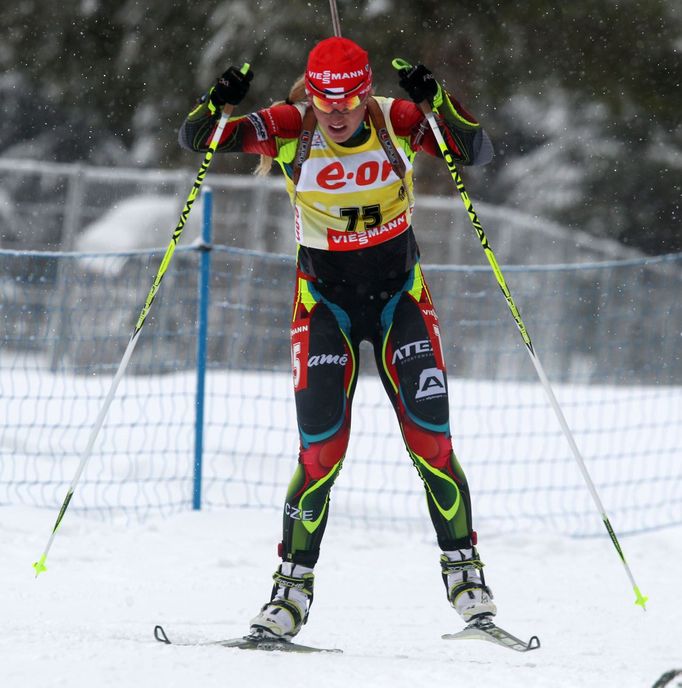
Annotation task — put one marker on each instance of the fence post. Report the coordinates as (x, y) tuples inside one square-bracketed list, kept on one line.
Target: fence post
[(202, 336), (58, 318)]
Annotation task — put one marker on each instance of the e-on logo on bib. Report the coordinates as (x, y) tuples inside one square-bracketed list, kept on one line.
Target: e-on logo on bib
[(431, 383), (335, 176)]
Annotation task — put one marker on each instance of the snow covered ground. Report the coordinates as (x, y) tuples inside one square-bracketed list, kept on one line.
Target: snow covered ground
[(88, 620)]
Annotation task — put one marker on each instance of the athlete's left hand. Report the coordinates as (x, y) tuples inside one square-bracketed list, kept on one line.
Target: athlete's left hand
[(419, 83)]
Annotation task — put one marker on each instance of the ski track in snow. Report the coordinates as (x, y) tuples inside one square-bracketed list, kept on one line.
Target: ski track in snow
[(89, 619)]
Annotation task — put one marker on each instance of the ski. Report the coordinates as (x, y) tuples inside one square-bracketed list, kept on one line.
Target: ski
[(248, 642), (484, 629)]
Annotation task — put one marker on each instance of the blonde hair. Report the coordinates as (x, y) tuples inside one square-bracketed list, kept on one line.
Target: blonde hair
[(297, 94)]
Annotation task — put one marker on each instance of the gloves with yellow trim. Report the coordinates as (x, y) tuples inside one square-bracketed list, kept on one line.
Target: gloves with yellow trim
[(230, 88), (421, 85)]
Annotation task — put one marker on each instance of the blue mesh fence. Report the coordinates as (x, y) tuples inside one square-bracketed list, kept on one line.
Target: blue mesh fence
[(608, 334)]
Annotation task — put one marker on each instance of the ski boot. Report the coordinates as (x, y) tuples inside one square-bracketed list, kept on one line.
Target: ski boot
[(465, 584), (287, 611)]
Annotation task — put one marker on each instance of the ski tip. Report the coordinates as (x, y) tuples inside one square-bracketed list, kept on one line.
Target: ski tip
[(484, 629), (160, 635)]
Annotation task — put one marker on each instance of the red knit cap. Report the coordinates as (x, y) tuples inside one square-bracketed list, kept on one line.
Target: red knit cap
[(338, 68)]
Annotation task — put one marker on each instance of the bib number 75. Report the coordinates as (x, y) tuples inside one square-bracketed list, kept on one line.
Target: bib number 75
[(369, 214)]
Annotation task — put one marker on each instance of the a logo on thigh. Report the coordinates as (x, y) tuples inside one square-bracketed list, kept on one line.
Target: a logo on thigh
[(431, 383), (300, 333)]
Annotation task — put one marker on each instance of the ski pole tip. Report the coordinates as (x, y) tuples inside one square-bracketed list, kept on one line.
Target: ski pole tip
[(39, 566), (641, 599)]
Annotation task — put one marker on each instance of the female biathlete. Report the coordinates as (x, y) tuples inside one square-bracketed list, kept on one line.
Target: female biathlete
[(347, 161)]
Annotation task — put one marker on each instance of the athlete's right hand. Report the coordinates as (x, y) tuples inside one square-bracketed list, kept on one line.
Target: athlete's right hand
[(230, 88)]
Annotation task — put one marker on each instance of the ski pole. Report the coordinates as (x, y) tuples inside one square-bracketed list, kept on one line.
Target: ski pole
[(336, 22), (39, 565), (449, 161)]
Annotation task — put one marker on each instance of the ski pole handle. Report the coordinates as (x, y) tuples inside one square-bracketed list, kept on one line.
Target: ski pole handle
[(400, 64), (227, 108)]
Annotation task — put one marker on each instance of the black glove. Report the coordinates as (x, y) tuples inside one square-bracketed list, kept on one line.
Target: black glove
[(230, 88), (419, 83)]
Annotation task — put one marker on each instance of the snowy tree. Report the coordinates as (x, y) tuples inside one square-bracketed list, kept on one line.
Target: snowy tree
[(582, 99)]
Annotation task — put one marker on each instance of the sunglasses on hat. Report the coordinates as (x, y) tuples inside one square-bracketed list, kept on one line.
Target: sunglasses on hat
[(340, 105)]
